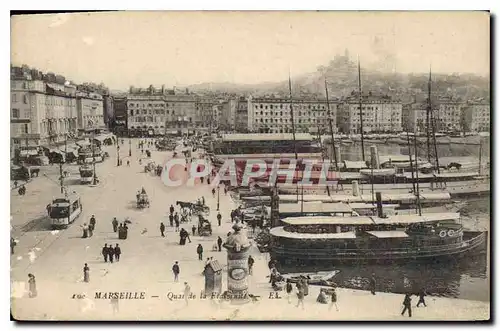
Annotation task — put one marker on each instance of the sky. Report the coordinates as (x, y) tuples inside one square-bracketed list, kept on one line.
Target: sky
[(122, 49)]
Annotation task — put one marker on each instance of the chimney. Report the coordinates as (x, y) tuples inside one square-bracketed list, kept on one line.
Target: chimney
[(375, 161), (355, 188), (337, 154), (380, 211)]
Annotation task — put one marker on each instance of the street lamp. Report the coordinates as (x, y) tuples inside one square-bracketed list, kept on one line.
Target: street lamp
[(93, 158), (218, 196), (117, 155)]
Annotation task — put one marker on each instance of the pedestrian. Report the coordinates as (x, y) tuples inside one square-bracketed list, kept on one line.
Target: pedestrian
[(86, 273), (172, 209), (199, 250), (421, 297), (233, 214), (92, 220), (213, 192), (91, 229), (334, 300), (105, 252), (201, 179), (128, 163), (219, 218), (176, 270), (288, 289), (219, 243), (111, 253), (32, 286), (300, 296), (407, 305), (202, 200), (171, 219), (115, 224), (187, 292), (251, 262), (373, 284), (225, 190), (16, 183), (118, 252), (193, 229), (48, 209), (162, 229), (177, 223), (85, 229), (12, 245)]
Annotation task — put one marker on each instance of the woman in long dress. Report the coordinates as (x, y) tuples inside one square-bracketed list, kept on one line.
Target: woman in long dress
[(86, 273), (32, 286)]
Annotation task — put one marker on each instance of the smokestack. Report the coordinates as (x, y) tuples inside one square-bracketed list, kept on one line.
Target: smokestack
[(337, 154), (355, 188), (380, 211), (375, 161)]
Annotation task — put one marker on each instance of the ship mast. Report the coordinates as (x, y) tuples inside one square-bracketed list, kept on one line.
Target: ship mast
[(411, 167), (330, 124), (419, 208), (480, 154), (293, 131), (433, 125), (428, 115), (361, 112)]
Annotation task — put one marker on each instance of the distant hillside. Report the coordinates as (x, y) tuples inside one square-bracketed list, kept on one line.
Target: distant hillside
[(342, 77)]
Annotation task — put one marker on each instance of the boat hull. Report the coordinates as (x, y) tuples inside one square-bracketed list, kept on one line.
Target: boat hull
[(474, 242)]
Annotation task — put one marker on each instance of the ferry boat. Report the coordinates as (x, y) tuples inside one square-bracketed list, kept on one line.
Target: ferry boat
[(373, 239)]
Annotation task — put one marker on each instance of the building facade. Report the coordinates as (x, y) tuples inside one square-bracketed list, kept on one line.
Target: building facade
[(120, 115), (476, 117), (155, 112), (273, 115), (414, 117), (380, 114), (241, 115), (90, 111), (41, 113)]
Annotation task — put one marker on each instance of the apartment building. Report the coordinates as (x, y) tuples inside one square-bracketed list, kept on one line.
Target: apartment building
[(476, 117), (273, 115), (380, 114)]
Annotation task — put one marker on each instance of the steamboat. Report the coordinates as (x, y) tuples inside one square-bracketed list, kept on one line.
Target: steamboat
[(373, 239)]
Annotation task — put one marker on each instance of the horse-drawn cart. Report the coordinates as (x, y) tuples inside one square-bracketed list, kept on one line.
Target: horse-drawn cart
[(142, 201)]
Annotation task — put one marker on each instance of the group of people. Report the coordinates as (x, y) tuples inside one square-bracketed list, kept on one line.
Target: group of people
[(88, 230), (110, 252)]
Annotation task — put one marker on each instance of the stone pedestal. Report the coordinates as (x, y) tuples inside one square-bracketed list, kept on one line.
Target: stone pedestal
[(237, 246)]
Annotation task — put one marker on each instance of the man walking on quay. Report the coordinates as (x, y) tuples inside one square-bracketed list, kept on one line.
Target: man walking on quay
[(115, 224), (91, 229), (176, 270), (219, 218), (251, 261), (199, 250), (171, 219), (177, 223), (162, 229), (407, 305), (213, 192), (86, 273), (172, 209), (219, 243), (421, 297), (111, 253), (187, 292), (118, 252), (105, 252), (373, 283), (194, 230), (12, 245)]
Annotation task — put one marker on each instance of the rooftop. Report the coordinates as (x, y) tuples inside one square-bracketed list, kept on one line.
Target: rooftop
[(265, 136)]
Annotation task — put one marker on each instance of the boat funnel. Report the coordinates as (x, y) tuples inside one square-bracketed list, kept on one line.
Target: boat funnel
[(355, 188), (375, 161), (337, 154), (380, 211)]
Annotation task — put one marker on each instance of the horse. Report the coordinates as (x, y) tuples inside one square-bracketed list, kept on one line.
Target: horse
[(184, 204), (454, 165)]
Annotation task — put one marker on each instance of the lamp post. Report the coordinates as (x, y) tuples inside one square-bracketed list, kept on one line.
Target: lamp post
[(218, 196), (129, 146), (117, 155), (93, 158)]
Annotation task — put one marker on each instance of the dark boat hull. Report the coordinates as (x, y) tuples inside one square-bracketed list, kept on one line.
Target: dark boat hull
[(473, 242)]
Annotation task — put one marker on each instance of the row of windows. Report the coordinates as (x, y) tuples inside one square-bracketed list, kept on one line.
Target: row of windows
[(270, 120), (287, 106)]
